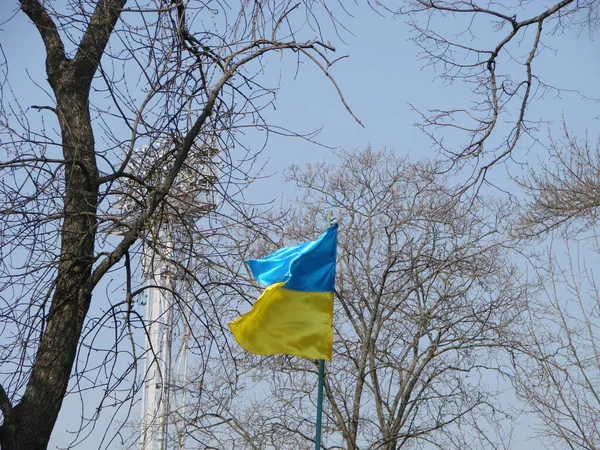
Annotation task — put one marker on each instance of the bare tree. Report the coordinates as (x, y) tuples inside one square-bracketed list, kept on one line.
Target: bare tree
[(563, 191), (427, 305), (493, 49), (176, 76), (559, 379), (490, 48)]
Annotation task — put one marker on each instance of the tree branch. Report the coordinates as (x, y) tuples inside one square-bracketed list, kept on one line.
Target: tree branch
[(5, 405), (231, 68), (96, 37), (55, 49)]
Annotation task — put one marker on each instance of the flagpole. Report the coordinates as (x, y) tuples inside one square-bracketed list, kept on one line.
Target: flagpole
[(321, 376), (320, 403)]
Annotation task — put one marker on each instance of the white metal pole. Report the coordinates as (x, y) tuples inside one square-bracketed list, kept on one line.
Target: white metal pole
[(160, 371), (152, 357)]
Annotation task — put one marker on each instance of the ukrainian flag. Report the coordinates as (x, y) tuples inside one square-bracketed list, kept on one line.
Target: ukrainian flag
[(294, 314)]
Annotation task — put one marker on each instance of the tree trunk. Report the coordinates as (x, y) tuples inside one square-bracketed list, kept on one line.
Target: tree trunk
[(30, 424)]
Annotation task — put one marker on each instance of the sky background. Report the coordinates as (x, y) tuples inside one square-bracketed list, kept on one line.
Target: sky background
[(384, 75), (380, 79)]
